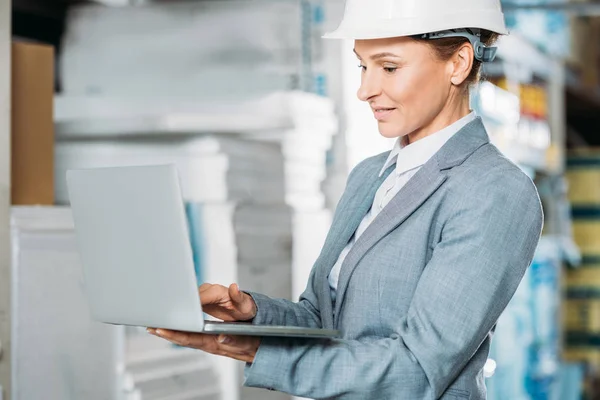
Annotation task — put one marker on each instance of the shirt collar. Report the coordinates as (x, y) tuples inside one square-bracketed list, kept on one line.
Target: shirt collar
[(408, 157)]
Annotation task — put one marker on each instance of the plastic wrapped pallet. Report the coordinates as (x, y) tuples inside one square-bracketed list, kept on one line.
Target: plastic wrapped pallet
[(58, 352), (247, 244), (309, 231), (207, 173), (68, 356), (186, 49), (157, 370)]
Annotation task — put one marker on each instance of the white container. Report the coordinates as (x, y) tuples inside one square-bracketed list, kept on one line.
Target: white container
[(58, 352)]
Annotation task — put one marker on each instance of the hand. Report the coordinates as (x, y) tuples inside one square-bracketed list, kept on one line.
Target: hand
[(227, 304), (242, 348)]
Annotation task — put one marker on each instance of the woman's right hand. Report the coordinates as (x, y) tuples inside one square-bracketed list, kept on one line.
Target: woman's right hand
[(227, 304)]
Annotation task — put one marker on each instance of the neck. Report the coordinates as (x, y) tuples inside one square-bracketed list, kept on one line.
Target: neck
[(449, 115)]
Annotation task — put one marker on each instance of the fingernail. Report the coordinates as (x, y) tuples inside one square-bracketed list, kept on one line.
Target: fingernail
[(159, 332), (225, 340)]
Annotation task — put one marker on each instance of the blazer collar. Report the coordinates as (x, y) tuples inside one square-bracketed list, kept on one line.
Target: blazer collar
[(462, 145)]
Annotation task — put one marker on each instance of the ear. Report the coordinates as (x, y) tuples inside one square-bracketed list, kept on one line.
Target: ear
[(462, 64)]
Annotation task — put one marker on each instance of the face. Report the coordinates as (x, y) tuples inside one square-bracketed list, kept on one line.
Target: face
[(405, 84)]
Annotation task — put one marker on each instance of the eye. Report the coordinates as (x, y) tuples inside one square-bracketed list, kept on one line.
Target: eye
[(363, 67), (390, 70)]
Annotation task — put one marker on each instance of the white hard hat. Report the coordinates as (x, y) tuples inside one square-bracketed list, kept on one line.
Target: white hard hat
[(377, 19)]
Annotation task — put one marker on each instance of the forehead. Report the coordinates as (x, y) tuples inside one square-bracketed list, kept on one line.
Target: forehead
[(402, 47)]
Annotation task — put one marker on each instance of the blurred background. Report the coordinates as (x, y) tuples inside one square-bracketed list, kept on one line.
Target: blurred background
[(261, 118)]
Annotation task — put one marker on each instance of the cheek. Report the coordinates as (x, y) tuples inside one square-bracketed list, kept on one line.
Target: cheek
[(410, 94), (415, 94), (417, 89)]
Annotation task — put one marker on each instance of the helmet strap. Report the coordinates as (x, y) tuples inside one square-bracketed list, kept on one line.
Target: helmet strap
[(482, 52)]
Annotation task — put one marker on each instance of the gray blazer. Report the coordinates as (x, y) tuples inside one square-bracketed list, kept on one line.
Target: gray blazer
[(420, 292)]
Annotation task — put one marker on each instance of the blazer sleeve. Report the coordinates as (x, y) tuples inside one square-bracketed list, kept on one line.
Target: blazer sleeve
[(303, 313), (487, 243)]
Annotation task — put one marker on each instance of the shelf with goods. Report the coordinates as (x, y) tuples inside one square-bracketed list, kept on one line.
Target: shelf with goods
[(582, 75), (582, 286), (581, 281), (583, 111), (522, 105)]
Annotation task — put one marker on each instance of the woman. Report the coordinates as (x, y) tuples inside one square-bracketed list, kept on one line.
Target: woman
[(429, 241)]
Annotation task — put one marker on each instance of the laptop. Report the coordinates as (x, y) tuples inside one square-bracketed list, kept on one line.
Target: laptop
[(132, 236)]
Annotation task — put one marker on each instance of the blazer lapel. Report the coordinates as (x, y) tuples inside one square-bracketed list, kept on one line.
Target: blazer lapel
[(352, 208), (416, 191)]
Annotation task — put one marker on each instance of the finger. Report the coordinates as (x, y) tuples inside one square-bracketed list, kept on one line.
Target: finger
[(177, 337), (238, 344), (194, 340), (204, 287), (212, 295)]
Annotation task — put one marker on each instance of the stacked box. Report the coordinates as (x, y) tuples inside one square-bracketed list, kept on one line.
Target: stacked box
[(582, 284)]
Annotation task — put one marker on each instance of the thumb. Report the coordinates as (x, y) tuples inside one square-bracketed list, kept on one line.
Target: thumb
[(236, 296)]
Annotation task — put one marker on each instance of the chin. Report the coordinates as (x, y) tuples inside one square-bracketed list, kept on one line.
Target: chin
[(390, 131)]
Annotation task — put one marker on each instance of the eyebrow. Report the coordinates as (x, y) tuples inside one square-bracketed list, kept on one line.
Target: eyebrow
[(378, 55)]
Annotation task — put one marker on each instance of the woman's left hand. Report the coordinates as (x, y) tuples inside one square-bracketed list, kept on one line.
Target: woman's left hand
[(242, 348)]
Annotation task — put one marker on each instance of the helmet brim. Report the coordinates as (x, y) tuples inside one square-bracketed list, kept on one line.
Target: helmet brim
[(363, 30)]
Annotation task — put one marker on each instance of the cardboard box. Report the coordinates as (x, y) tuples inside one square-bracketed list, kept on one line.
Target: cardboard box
[(32, 139), (584, 57)]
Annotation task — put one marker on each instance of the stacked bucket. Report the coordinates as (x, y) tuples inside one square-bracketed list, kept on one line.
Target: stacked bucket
[(582, 292)]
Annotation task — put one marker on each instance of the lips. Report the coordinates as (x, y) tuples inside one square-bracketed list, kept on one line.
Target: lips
[(381, 113)]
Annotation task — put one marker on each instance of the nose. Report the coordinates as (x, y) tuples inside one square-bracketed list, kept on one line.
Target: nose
[(369, 86)]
